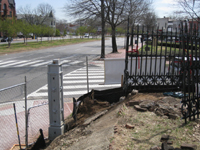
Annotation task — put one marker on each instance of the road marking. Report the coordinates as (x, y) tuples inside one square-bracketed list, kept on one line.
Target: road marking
[(6, 62), (12, 64), (91, 77), (71, 87), (33, 62), (84, 74), (40, 64), (75, 62), (83, 81)]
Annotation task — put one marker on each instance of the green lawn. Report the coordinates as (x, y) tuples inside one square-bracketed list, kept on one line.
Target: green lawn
[(19, 47)]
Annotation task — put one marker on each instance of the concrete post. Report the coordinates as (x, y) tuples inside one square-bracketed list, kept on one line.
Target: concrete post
[(55, 98)]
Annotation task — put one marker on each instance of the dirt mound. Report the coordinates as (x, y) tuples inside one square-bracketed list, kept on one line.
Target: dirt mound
[(101, 125)]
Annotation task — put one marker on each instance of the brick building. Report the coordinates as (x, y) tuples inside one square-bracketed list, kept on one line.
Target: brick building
[(7, 9)]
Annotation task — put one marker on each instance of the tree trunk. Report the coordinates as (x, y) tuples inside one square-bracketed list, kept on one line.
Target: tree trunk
[(9, 44), (114, 44), (102, 30)]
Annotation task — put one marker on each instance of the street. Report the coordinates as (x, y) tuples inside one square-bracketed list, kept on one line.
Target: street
[(33, 64)]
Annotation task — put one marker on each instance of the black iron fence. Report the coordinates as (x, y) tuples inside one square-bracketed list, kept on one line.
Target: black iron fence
[(162, 61)]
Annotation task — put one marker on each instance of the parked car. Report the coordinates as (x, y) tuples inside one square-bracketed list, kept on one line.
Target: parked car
[(176, 65), (149, 39), (6, 39), (86, 35)]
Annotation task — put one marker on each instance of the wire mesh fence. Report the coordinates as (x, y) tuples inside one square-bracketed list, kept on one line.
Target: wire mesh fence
[(8, 96)]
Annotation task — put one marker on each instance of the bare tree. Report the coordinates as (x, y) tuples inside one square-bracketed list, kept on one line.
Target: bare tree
[(116, 12), (26, 13), (36, 16), (61, 25), (149, 19), (189, 7), (43, 12), (85, 9)]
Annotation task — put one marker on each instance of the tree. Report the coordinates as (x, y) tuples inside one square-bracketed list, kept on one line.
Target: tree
[(120, 30), (149, 19), (37, 16), (189, 7), (36, 30), (8, 27), (82, 30), (61, 25), (51, 32), (115, 10), (87, 9), (57, 32), (25, 28), (136, 10)]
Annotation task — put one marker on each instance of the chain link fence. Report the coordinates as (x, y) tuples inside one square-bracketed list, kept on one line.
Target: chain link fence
[(8, 96)]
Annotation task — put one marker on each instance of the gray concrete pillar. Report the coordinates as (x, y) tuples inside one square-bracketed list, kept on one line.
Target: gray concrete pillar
[(55, 98)]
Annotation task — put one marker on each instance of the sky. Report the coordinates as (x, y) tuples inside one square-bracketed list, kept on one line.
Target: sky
[(161, 7)]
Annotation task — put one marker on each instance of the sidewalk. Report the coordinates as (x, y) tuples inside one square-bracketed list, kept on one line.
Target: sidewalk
[(121, 52)]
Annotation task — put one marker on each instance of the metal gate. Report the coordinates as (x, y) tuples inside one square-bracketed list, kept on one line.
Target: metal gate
[(162, 61)]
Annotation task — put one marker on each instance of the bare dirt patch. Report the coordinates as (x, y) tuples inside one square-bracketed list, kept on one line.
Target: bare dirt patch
[(122, 127)]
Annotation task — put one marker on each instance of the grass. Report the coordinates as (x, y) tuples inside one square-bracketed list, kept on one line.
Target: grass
[(19, 47)]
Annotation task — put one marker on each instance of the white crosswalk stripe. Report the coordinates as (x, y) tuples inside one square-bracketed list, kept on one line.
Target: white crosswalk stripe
[(30, 63), (33, 63), (75, 83), (6, 62), (15, 63)]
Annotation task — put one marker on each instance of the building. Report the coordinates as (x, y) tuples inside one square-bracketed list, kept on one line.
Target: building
[(168, 25), (7, 10)]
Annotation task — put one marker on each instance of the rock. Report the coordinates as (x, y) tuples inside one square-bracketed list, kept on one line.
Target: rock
[(173, 116), (158, 112), (133, 102), (165, 117), (188, 146), (134, 92), (164, 146), (129, 126), (178, 105), (155, 148), (164, 138), (170, 100), (169, 142), (138, 108), (150, 105), (122, 98), (170, 147)]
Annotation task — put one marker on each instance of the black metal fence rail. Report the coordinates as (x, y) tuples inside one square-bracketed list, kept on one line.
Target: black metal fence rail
[(190, 73), (160, 61)]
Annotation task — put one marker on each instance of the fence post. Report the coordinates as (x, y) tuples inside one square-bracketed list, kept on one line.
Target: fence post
[(26, 114), (87, 74), (55, 98)]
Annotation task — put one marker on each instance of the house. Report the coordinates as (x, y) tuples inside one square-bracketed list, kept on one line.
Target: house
[(168, 25), (7, 10)]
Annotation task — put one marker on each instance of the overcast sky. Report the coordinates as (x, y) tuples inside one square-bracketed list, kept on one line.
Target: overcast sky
[(161, 7)]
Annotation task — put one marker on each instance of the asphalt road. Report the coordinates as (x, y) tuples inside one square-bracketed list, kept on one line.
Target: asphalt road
[(33, 64)]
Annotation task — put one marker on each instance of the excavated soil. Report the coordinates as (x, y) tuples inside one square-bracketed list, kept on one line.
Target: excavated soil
[(103, 126)]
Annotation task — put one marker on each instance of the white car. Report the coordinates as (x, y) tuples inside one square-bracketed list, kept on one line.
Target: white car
[(86, 35)]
